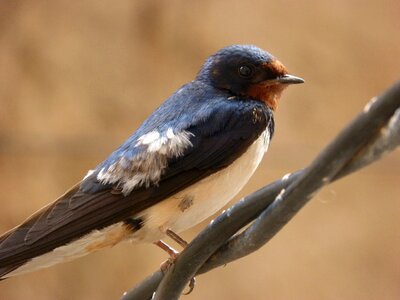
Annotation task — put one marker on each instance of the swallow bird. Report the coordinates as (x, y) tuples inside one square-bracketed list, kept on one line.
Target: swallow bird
[(191, 156)]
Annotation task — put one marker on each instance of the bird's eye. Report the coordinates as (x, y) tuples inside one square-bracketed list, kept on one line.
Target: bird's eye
[(245, 71)]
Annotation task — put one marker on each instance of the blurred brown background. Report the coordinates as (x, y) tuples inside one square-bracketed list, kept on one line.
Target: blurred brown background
[(76, 78)]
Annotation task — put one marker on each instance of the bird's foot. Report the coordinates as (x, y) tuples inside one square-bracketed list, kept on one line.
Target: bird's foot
[(173, 254), (192, 284)]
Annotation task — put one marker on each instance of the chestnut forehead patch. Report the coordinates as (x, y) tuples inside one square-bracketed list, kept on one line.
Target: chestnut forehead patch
[(275, 67)]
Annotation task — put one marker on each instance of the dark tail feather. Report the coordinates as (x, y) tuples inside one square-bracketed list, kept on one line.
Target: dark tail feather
[(13, 250), (7, 269)]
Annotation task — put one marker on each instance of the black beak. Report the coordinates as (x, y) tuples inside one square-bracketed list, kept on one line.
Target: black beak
[(289, 79)]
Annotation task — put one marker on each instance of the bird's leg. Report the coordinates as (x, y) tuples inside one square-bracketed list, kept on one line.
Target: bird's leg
[(173, 255), (177, 238), (184, 244)]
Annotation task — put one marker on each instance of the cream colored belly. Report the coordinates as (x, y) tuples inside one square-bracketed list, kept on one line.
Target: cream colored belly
[(199, 201)]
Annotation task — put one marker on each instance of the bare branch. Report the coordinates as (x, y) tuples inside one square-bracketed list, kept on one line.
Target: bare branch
[(373, 133)]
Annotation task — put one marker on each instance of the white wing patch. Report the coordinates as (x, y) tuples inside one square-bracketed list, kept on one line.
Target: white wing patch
[(148, 138), (90, 172), (147, 167)]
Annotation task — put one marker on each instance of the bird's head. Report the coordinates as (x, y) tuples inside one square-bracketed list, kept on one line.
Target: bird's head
[(248, 71)]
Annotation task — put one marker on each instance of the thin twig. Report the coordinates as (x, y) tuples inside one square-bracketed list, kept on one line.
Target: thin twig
[(373, 133)]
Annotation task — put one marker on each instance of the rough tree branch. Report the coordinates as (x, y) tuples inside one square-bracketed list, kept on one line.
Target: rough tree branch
[(373, 133)]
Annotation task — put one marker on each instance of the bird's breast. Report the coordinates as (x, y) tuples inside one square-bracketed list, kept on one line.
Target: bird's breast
[(202, 199)]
